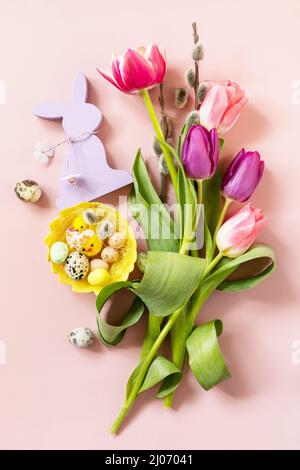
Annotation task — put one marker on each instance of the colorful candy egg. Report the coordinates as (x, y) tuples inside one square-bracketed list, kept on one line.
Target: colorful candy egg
[(79, 224), (98, 277), (59, 252), (81, 337), (109, 254), (72, 236), (98, 263), (76, 266), (105, 229), (117, 240)]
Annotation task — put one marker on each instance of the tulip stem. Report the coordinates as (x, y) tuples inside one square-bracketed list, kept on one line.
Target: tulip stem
[(143, 370), (168, 401), (161, 137), (227, 203)]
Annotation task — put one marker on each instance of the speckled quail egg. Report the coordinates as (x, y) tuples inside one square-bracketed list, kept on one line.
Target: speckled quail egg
[(105, 229), (109, 254), (81, 337), (28, 191), (117, 240), (76, 266)]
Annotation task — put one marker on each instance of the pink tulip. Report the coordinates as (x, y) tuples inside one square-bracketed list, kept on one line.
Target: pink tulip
[(222, 105), (137, 69), (238, 233)]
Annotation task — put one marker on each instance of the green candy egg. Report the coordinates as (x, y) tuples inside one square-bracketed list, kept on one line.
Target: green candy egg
[(59, 252)]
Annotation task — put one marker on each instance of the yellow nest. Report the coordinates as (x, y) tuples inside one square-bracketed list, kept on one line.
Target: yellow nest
[(119, 271)]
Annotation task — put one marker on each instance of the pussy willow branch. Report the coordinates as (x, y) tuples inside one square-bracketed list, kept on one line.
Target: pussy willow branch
[(196, 66), (164, 119), (161, 138)]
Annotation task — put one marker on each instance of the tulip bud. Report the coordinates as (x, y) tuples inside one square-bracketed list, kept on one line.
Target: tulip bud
[(242, 176), (200, 152), (201, 92), (156, 147), (141, 261), (190, 77), (238, 233), (162, 166), (198, 52), (193, 119), (181, 97), (137, 69), (222, 105)]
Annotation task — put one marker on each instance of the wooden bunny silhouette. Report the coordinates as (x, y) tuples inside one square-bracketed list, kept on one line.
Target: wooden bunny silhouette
[(85, 162)]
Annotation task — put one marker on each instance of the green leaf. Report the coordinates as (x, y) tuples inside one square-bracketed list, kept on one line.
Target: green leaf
[(260, 251), (111, 334), (208, 241), (226, 267), (159, 369), (212, 200), (153, 330), (183, 133), (188, 205), (150, 212), (205, 356), (163, 291), (169, 281), (178, 335)]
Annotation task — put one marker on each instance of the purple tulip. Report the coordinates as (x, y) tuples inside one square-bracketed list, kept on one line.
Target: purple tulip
[(200, 152), (242, 176)]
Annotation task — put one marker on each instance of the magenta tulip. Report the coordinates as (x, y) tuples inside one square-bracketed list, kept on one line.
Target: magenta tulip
[(137, 69), (222, 105), (238, 233), (242, 176), (200, 151)]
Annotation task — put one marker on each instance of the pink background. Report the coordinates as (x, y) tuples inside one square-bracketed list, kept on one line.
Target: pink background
[(55, 396)]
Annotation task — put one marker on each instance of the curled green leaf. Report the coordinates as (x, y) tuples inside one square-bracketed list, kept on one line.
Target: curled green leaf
[(159, 369), (205, 356), (111, 334)]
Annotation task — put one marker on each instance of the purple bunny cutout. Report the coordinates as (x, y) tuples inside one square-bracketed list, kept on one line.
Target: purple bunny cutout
[(85, 162)]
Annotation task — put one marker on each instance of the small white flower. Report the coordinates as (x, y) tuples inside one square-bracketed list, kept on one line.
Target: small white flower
[(43, 152)]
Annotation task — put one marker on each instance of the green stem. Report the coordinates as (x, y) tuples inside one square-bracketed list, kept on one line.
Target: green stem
[(168, 401), (211, 265), (220, 222), (161, 137), (143, 370)]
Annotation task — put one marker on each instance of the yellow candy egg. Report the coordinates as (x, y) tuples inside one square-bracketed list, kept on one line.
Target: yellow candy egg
[(98, 277), (117, 240), (79, 224), (98, 263), (92, 246)]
